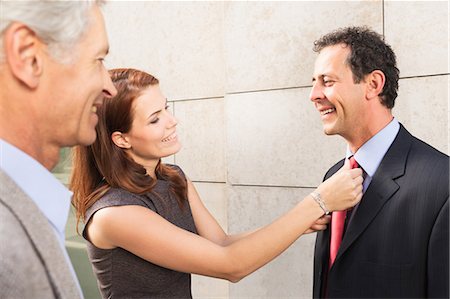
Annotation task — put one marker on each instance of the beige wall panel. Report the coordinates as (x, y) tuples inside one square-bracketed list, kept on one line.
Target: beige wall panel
[(201, 129), (215, 200), (206, 287), (276, 138), (179, 42), (169, 160), (419, 35), (269, 44), (214, 197), (422, 106), (289, 275)]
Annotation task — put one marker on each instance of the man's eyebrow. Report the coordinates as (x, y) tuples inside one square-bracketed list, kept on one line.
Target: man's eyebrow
[(319, 77)]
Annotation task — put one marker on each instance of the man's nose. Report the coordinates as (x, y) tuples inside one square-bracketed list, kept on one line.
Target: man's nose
[(316, 93)]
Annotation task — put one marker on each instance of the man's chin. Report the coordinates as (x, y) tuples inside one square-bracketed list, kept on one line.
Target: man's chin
[(88, 139), (329, 131)]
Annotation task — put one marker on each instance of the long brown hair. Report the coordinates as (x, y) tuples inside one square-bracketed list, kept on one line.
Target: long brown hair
[(103, 165)]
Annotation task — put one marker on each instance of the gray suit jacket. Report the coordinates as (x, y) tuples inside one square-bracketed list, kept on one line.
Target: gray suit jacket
[(32, 264)]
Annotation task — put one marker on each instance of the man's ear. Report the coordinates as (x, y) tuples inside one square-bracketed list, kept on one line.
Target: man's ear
[(23, 54), (375, 83), (120, 140)]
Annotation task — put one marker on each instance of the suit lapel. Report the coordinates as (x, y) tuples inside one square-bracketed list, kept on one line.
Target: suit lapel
[(41, 235), (381, 189)]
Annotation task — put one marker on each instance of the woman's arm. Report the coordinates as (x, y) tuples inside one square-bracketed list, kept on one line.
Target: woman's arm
[(149, 236), (208, 227), (205, 223)]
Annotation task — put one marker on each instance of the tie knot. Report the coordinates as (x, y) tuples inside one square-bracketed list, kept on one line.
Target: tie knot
[(353, 163)]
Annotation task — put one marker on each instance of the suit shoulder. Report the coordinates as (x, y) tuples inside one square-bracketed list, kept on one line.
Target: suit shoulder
[(424, 151), (333, 169), (430, 165)]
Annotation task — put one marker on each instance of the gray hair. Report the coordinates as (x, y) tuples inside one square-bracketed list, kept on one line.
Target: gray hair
[(59, 24)]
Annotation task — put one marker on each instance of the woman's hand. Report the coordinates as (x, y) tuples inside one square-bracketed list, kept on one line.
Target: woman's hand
[(320, 224), (343, 190)]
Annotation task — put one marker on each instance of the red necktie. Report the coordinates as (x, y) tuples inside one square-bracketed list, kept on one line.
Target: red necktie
[(337, 225)]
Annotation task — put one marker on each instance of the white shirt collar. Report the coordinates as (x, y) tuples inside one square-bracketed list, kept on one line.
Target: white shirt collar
[(49, 194), (370, 154)]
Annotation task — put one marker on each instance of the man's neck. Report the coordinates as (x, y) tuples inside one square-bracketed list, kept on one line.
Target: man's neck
[(366, 133), (45, 154)]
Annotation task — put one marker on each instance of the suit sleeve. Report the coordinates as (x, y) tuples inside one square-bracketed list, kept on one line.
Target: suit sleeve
[(22, 273), (438, 256)]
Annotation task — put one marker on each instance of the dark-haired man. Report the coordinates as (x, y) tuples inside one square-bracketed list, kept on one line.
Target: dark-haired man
[(395, 243)]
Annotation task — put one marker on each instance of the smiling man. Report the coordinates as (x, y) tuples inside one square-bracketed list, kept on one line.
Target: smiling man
[(395, 242), (52, 80)]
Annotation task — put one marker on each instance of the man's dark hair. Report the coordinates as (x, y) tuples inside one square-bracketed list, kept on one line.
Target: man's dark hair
[(368, 52)]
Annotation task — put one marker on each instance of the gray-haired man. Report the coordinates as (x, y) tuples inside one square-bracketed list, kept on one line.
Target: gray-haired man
[(52, 80)]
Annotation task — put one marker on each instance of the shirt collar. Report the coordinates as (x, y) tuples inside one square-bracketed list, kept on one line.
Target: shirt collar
[(49, 194), (370, 154)]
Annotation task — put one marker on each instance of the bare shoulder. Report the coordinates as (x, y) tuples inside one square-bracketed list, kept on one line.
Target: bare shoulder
[(109, 226)]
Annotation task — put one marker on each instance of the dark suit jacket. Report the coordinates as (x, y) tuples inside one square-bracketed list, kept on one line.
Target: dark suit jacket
[(397, 243)]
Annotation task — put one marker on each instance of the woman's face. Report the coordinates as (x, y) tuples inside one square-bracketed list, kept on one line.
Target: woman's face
[(153, 132)]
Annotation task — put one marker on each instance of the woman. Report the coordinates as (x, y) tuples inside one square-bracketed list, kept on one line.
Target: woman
[(147, 227)]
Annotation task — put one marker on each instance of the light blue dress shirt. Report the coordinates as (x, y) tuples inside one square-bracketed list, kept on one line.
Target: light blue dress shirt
[(370, 154), (49, 194)]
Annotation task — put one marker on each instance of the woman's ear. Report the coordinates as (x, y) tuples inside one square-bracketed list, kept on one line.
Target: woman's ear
[(23, 51), (120, 140), (375, 83)]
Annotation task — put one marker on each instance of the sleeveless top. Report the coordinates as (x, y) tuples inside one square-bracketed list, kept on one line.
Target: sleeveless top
[(120, 273)]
